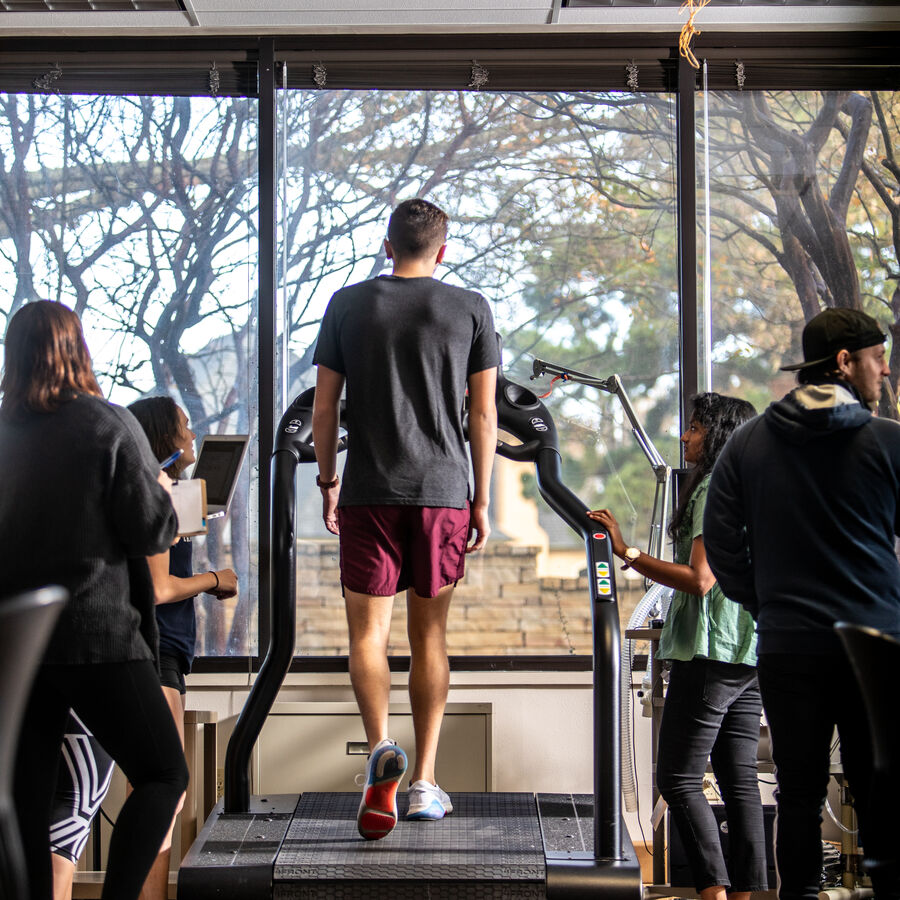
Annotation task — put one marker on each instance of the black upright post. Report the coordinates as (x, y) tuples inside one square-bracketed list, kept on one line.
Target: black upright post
[(283, 616), (605, 618), (607, 747), (687, 232), (267, 277), (237, 757)]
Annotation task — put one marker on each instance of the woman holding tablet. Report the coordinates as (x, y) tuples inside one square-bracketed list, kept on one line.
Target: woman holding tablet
[(166, 426)]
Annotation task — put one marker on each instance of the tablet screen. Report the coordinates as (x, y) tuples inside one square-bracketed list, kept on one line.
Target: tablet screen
[(219, 463)]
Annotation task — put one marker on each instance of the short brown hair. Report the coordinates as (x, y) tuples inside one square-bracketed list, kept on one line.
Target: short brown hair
[(47, 362), (417, 229)]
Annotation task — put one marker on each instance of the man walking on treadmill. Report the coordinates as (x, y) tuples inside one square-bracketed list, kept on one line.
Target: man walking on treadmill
[(801, 515), (408, 347)]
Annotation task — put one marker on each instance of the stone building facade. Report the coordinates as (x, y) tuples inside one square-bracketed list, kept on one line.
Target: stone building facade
[(502, 607)]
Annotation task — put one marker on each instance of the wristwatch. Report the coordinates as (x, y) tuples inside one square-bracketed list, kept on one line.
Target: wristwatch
[(631, 554), (327, 485)]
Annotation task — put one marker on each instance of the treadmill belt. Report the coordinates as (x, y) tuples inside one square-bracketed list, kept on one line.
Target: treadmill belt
[(489, 847)]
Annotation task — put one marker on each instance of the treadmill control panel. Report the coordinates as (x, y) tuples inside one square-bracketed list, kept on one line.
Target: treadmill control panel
[(601, 567)]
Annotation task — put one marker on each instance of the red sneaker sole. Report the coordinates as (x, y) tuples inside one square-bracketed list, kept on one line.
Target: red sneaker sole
[(375, 825), (377, 818)]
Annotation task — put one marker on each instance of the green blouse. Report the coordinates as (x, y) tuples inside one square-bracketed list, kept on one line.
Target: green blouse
[(711, 626)]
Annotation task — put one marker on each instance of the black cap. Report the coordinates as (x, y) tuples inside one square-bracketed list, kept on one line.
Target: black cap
[(834, 330)]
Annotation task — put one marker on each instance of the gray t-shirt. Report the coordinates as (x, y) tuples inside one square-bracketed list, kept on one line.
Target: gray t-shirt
[(406, 347)]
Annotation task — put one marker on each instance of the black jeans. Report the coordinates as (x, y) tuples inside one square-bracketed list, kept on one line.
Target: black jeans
[(124, 707), (712, 712), (806, 696)]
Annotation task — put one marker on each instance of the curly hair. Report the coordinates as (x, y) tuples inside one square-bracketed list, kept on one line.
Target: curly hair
[(719, 415)]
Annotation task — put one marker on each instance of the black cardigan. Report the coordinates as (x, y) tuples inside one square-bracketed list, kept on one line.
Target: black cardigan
[(79, 499)]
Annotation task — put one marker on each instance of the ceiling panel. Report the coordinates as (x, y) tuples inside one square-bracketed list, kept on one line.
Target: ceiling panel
[(86, 6), (148, 17)]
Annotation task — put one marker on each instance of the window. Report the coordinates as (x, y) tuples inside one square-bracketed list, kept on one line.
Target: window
[(562, 209), (803, 214), (139, 213)]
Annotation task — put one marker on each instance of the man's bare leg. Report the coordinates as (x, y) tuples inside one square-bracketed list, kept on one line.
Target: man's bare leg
[(429, 674), (369, 624)]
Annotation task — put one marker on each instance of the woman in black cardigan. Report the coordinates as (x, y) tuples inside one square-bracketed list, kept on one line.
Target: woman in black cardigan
[(83, 504)]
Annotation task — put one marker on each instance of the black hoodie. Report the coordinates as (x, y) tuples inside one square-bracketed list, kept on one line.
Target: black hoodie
[(801, 517)]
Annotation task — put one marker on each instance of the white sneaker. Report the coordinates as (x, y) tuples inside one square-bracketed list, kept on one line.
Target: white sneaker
[(427, 801)]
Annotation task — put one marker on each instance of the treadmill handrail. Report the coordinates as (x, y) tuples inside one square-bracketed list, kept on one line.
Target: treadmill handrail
[(661, 469), (292, 447), (280, 652), (605, 642), (612, 385)]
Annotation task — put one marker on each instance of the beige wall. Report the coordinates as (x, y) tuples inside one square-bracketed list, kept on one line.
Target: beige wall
[(540, 723)]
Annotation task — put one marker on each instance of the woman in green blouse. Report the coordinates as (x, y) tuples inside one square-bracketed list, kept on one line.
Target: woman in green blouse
[(713, 704)]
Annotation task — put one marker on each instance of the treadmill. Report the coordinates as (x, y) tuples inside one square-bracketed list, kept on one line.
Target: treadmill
[(494, 845)]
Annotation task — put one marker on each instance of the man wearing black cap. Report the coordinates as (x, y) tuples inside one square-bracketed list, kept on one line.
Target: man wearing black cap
[(801, 518)]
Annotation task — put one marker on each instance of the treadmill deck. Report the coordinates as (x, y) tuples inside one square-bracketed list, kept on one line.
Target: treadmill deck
[(493, 845), (490, 846)]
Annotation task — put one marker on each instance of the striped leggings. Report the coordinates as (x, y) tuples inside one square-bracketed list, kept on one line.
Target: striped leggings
[(85, 770)]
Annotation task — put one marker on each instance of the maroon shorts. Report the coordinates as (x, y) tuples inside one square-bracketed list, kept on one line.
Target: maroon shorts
[(387, 549)]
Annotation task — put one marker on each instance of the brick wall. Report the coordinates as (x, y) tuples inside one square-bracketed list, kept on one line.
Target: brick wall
[(501, 607)]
